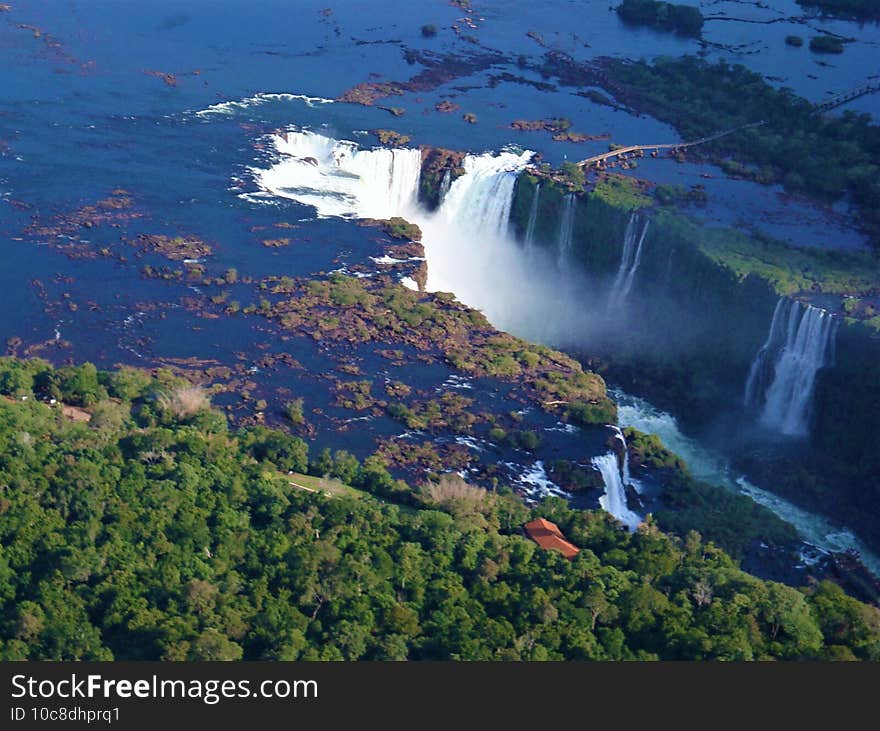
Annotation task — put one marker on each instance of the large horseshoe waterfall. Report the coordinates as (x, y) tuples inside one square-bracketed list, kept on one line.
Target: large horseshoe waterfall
[(467, 239)]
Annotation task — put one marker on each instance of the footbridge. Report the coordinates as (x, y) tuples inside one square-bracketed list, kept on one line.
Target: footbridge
[(623, 153), (868, 87)]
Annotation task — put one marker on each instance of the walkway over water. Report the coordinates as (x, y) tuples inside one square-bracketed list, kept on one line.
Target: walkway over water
[(624, 152), (869, 87)]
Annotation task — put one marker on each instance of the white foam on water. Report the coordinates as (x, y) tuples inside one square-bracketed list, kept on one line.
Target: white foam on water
[(534, 478), (233, 106)]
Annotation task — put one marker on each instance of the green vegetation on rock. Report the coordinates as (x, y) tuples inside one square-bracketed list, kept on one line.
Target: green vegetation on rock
[(400, 228), (787, 269), (826, 44), (735, 522), (621, 191), (343, 308), (685, 20)]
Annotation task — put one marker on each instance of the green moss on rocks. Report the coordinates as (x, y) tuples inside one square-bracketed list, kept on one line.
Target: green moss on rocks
[(437, 163), (622, 191)]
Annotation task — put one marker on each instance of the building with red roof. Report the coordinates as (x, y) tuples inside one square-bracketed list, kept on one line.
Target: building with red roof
[(548, 535)]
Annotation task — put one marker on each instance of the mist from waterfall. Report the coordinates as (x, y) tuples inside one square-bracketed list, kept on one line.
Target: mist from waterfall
[(782, 376), (630, 258)]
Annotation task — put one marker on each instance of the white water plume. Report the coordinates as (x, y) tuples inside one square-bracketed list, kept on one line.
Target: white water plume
[(338, 179), (230, 107)]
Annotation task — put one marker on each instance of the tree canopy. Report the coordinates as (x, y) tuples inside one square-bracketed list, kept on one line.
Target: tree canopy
[(161, 534)]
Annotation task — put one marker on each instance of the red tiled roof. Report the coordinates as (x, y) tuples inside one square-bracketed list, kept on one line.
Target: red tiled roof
[(548, 535)]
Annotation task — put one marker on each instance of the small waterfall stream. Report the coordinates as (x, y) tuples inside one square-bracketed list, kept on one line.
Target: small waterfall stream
[(782, 376), (445, 185), (533, 218), (615, 479), (566, 230), (630, 258)]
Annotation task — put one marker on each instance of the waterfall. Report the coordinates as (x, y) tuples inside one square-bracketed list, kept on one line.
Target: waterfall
[(783, 373), (630, 258), (479, 201), (445, 185), (566, 229), (338, 179), (714, 469), (627, 478), (761, 370), (533, 218), (614, 499), (467, 239)]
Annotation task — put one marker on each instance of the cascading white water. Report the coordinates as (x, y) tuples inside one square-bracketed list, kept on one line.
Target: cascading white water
[(445, 185), (338, 179), (479, 201), (566, 229), (783, 373), (630, 258), (761, 370), (468, 243), (533, 218), (627, 477), (713, 469), (614, 499)]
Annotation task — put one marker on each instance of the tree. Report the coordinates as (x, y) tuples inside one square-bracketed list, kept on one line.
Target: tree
[(294, 412), (789, 621), (345, 466), (212, 645)]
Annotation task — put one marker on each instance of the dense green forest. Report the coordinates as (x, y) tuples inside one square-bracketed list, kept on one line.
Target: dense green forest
[(685, 20), (134, 524), (822, 156)]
